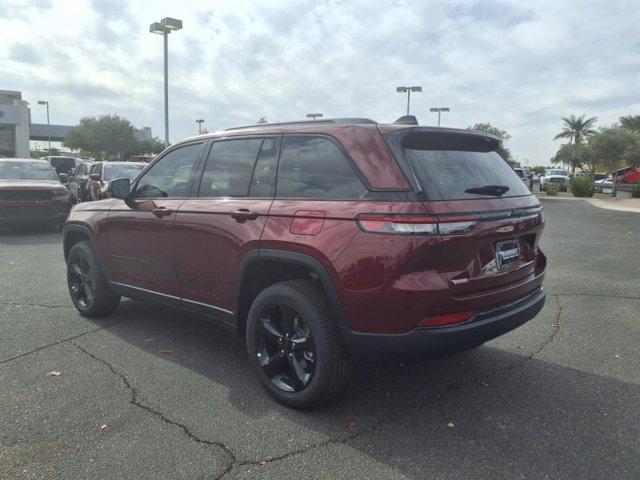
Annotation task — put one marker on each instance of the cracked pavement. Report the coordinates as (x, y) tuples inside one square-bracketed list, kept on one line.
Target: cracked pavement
[(150, 393)]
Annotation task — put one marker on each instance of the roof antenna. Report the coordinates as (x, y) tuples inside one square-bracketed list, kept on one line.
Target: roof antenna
[(406, 120)]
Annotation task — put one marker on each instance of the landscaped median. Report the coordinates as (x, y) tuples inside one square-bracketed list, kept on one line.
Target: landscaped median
[(601, 201)]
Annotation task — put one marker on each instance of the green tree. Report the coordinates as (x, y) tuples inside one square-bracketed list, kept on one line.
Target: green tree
[(612, 147), (577, 129), (107, 136), (155, 145), (632, 122), (503, 135), (571, 154), (539, 169)]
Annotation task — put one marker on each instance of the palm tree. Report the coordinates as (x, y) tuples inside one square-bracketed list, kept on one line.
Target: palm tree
[(576, 129), (632, 122)]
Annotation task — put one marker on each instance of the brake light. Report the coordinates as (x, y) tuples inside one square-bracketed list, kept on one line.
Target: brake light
[(415, 224), (450, 319)]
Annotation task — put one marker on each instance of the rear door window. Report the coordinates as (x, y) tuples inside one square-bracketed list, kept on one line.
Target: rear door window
[(229, 168), (447, 169), (314, 167), (263, 181)]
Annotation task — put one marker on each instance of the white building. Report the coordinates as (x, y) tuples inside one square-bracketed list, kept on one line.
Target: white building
[(14, 125)]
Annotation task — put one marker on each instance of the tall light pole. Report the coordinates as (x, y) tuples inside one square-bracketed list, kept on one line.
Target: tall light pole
[(42, 102), (439, 110), (408, 91), (164, 28), (314, 115), (200, 121)]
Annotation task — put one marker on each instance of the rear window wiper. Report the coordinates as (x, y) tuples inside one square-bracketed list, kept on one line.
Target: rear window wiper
[(495, 190)]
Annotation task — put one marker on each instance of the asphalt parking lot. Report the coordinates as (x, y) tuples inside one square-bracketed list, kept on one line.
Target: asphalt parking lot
[(148, 393)]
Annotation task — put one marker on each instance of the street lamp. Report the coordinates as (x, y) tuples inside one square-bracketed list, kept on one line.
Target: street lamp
[(164, 28), (314, 115), (439, 110), (42, 102), (200, 121), (408, 91)]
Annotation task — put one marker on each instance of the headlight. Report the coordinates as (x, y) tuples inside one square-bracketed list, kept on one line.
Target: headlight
[(59, 192)]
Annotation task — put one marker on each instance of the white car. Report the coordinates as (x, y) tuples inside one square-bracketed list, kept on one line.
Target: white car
[(556, 176)]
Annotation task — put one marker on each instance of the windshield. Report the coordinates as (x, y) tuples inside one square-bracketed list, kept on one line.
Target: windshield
[(448, 174), (122, 170), (26, 170), (558, 172)]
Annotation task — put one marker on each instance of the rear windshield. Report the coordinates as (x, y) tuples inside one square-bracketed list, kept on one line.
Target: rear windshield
[(122, 170), (448, 174), (26, 171), (66, 163)]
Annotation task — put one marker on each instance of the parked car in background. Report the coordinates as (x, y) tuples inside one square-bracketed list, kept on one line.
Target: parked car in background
[(525, 177), (101, 173), (556, 176), (30, 191), (320, 242), (62, 164), (78, 181)]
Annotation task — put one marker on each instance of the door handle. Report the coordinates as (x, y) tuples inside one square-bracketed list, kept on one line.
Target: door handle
[(243, 214), (162, 212)]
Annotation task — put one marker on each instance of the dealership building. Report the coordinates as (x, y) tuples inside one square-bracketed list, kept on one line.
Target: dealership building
[(17, 131)]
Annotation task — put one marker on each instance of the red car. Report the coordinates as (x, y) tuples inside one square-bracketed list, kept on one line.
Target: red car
[(30, 191), (321, 242)]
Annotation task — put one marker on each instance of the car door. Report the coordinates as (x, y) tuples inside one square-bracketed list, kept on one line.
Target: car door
[(140, 228), (224, 220)]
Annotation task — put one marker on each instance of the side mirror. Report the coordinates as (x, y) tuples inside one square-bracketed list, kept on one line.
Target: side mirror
[(95, 176), (64, 178), (120, 187)]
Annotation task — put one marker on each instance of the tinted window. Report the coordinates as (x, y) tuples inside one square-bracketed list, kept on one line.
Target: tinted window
[(264, 174), (447, 174), (26, 170), (167, 178), (312, 167), (81, 169), (229, 168), (96, 168), (122, 170), (64, 163)]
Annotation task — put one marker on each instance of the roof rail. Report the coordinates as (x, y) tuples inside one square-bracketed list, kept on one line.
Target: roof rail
[(353, 121)]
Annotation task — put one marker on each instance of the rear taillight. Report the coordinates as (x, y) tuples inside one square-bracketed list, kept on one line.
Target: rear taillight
[(450, 319), (415, 224)]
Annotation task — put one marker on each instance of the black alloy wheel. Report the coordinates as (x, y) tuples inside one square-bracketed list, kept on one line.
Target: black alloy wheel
[(285, 347), (81, 281), (88, 288)]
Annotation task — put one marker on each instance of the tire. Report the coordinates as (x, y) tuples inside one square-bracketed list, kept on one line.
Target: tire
[(331, 364), (85, 276)]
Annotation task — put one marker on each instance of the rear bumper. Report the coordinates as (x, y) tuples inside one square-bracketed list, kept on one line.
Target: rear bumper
[(426, 343)]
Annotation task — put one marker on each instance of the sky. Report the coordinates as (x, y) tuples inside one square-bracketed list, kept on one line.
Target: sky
[(519, 65)]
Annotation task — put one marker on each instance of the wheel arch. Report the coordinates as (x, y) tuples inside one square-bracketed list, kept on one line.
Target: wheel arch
[(74, 233), (256, 272)]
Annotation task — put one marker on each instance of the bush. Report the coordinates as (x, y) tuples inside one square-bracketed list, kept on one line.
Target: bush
[(635, 190), (551, 189), (582, 186)]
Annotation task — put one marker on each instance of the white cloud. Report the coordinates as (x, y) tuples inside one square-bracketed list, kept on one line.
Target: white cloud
[(518, 65)]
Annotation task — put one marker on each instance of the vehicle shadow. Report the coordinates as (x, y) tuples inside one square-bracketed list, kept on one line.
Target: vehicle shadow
[(487, 413), (30, 234)]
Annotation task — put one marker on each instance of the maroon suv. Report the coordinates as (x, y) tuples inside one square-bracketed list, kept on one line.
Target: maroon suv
[(31, 192), (321, 242)]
